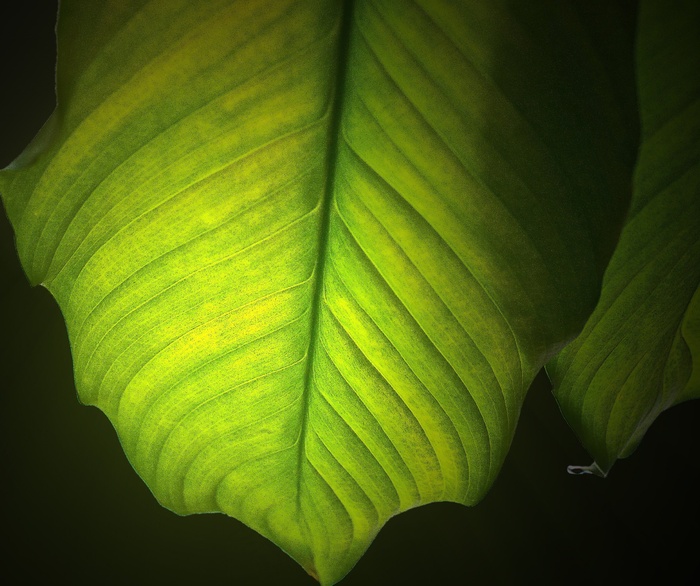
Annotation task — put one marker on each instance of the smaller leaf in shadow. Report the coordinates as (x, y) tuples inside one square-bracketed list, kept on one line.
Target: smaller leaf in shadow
[(634, 358)]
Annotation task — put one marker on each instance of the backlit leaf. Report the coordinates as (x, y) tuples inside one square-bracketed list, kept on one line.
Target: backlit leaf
[(311, 254)]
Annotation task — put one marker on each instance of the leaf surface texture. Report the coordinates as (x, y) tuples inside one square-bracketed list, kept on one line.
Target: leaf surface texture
[(311, 254)]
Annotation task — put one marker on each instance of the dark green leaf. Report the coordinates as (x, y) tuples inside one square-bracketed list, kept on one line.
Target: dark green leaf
[(638, 354)]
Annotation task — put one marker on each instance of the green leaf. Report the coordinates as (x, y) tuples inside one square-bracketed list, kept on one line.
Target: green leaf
[(639, 352), (311, 255)]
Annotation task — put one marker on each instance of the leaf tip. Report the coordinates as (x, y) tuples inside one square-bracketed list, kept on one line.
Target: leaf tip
[(593, 469), (311, 571)]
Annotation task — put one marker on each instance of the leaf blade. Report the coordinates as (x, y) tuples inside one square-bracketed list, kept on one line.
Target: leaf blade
[(632, 361), (187, 259)]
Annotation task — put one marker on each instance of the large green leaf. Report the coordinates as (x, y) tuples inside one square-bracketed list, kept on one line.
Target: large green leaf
[(639, 352), (311, 254)]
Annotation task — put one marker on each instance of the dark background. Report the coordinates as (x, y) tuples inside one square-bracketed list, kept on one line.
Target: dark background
[(75, 512)]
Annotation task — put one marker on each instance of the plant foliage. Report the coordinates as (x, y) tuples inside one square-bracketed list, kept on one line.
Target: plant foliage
[(311, 255)]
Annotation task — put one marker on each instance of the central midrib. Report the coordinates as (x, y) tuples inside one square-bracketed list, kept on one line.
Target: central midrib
[(323, 236)]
